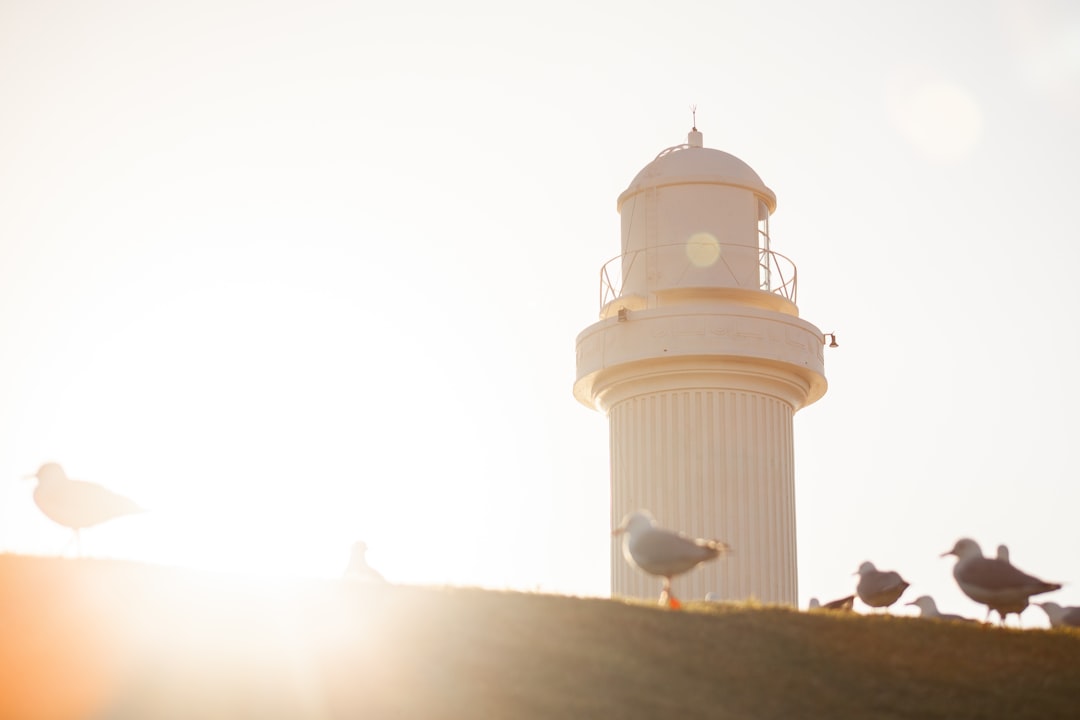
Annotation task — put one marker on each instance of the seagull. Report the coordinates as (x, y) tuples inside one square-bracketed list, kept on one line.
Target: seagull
[(844, 603), (662, 552), (358, 569), (76, 504), (995, 583), (928, 609), (1061, 616), (879, 588)]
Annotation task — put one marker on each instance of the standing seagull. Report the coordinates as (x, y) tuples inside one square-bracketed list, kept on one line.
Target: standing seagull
[(662, 552), (879, 588), (1061, 616), (76, 504), (995, 583), (358, 569)]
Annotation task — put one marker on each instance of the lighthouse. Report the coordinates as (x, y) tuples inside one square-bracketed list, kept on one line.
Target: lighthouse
[(700, 361)]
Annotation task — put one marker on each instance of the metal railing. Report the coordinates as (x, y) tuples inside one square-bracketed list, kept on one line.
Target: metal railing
[(776, 273)]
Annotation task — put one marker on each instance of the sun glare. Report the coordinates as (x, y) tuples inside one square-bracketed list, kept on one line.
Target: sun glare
[(703, 249)]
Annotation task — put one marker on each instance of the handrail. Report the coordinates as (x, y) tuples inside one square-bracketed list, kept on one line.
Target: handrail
[(777, 273)]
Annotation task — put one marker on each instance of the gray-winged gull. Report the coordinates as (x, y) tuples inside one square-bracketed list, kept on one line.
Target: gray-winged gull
[(928, 609), (844, 603), (664, 553), (995, 583), (1060, 616), (358, 569), (879, 588), (77, 504)]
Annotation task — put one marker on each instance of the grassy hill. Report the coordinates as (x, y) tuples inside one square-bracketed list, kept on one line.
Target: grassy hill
[(109, 639)]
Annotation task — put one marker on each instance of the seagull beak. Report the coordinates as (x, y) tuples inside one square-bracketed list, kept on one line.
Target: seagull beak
[(947, 553), (31, 476)]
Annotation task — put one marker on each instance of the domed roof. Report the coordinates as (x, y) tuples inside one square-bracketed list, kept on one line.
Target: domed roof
[(693, 163)]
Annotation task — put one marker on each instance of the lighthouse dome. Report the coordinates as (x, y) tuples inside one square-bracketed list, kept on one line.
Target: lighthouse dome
[(694, 164)]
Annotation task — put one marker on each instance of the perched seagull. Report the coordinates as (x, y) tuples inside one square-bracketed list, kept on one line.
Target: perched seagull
[(1061, 616), (879, 588), (1003, 553), (76, 504), (995, 583), (844, 603), (662, 552), (928, 609), (358, 569)]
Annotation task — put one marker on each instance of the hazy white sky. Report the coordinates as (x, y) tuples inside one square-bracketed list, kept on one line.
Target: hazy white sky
[(294, 274)]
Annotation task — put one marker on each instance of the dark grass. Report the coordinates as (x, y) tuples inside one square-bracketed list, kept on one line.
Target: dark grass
[(144, 642)]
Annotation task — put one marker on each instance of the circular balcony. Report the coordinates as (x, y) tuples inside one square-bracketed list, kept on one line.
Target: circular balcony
[(702, 266)]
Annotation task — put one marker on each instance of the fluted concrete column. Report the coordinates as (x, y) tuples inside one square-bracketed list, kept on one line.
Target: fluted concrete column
[(714, 463)]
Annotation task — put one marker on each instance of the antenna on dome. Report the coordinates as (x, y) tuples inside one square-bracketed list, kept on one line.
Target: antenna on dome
[(693, 138)]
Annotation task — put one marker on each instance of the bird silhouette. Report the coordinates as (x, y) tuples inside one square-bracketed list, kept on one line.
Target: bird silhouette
[(995, 583), (842, 604), (879, 588), (1060, 616), (358, 569), (76, 504), (664, 553), (928, 609)]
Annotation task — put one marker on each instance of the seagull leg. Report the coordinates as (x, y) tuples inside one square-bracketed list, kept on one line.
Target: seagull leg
[(74, 539), (666, 596)]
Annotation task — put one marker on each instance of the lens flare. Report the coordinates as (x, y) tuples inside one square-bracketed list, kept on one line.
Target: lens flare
[(941, 120), (703, 249)]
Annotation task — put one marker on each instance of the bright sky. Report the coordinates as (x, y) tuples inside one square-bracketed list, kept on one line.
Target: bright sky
[(295, 274)]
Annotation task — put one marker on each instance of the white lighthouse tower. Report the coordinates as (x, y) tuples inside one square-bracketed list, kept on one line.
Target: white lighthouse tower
[(700, 361)]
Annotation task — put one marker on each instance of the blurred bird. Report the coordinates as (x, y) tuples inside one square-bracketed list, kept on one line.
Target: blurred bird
[(928, 609), (358, 569), (995, 583), (664, 553), (879, 588), (844, 603), (1061, 616), (76, 504)]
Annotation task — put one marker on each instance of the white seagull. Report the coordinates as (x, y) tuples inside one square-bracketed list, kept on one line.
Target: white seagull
[(76, 504), (844, 603), (358, 569), (995, 583), (1061, 616), (928, 609), (879, 588), (662, 552)]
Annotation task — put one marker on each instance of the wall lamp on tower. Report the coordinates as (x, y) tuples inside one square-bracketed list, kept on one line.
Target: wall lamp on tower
[(831, 337)]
